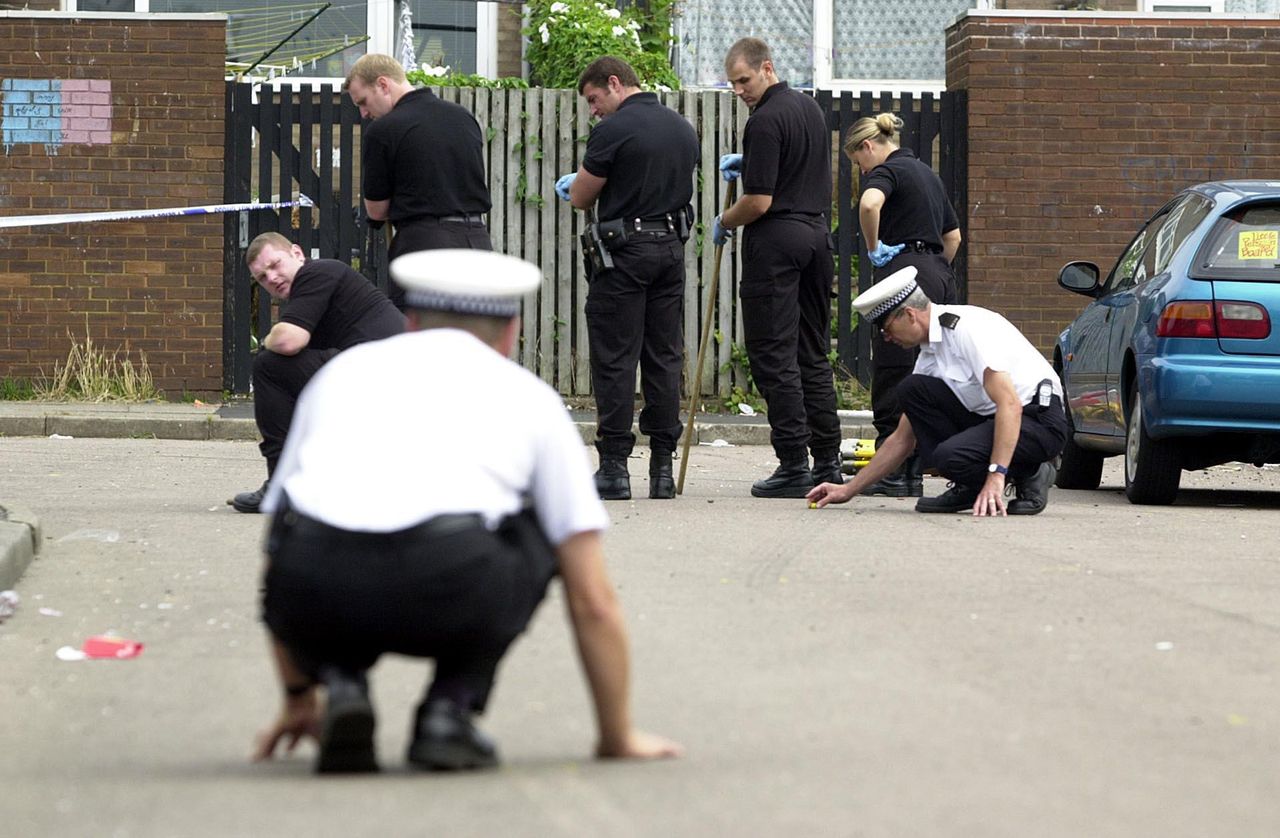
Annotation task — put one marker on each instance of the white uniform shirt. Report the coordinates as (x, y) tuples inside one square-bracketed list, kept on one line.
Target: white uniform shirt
[(393, 432), (978, 340)]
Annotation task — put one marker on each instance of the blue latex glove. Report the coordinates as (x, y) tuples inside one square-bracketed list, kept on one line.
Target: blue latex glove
[(720, 235), (731, 166), (563, 184), (883, 253)]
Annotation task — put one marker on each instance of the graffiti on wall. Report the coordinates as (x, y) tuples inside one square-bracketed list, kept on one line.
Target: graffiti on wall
[(55, 112)]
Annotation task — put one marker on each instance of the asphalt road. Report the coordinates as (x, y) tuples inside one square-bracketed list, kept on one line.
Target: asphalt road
[(1101, 669)]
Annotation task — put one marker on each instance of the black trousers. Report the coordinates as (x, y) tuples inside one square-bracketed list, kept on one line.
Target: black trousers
[(786, 319), (277, 382), (891, 363), (433, 234), (957, 442), (449, 589), (634, 315)]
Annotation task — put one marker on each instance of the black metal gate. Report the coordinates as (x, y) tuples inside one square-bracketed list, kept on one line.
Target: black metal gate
[(301, 138)]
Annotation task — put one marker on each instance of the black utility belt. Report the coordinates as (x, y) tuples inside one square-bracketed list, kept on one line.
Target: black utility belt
[(922, 247), (458, 218)]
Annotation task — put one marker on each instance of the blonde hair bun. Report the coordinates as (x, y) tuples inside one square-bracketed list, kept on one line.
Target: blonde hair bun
[(889, 123)]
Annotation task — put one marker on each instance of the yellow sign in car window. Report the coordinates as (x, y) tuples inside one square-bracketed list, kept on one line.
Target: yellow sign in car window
[(1259, 244)]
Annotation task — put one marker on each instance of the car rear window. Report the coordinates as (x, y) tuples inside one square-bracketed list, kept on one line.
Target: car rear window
[(1244, 244)]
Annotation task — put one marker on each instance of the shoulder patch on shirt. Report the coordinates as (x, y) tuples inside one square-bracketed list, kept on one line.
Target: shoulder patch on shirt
[(948, 320)]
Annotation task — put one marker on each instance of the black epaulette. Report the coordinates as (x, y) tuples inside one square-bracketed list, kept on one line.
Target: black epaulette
[(949, 320)]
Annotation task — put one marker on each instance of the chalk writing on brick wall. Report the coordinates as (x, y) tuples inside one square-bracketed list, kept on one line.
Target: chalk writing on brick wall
[(55, 112)]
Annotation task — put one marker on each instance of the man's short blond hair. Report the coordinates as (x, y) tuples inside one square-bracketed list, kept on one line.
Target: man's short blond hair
[(275, 240), (370, 67)]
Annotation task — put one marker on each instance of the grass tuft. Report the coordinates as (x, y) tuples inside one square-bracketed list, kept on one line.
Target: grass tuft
[(93, 375)]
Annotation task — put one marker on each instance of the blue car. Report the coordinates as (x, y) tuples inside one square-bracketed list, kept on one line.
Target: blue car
[(1175, 364)]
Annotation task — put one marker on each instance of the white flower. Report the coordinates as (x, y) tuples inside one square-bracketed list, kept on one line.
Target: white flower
[(619, 31), (635, 39), (613, 13), (544, 33), (559, 7)]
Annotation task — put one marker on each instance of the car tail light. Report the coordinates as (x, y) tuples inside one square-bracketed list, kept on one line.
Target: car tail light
[(1222, 319), (1187, 319), (1242, 320)]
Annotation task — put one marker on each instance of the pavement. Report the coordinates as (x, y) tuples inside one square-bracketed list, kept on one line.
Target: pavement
[(1101, 669), (20, 527)]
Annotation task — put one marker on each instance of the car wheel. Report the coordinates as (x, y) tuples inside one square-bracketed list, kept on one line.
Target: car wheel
[(1152, 467), (1081, 468)]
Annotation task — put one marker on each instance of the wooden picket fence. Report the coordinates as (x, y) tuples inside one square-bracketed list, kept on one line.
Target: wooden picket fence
[(532, 137)]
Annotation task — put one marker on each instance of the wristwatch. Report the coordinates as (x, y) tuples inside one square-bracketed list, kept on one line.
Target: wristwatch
[(996, 468)]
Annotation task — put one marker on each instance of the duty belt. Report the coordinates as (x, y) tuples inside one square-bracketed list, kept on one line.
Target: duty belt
[(655, 224), (459, 218), (922, 247)]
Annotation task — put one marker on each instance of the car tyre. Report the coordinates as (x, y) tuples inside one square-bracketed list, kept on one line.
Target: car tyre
[(1081, 468), (1152, 467)]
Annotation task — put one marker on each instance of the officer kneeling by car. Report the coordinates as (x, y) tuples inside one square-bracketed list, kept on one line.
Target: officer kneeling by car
[(982, 406)]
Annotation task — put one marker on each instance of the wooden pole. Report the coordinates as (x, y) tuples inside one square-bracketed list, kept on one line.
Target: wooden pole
[(702, 347)]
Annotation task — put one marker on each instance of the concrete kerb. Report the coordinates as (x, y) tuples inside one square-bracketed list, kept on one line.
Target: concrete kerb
[(20, 539), (235, 422)]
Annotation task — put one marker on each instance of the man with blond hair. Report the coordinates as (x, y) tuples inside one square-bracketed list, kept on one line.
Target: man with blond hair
[(422, 163)]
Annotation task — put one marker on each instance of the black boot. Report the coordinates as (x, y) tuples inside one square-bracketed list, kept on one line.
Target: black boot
[(662, 484), (444, 739), (346, 732), (956, 498), (915, 477), (1033, 491), (906, 482), (613, 482), (792, 479), (826, 467), (250, 502)]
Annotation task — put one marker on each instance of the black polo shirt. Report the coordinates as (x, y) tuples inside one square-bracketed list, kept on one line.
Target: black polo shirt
[(338, 306), (647, 152), (427, 157), (786, 152), (915, 206)]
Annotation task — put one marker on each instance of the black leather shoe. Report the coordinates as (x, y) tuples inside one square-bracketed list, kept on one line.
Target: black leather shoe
[(1033, 492), (346, 732), (662, 484), (826, 469), (613, 482), (444, 739), (792, 479), (250, 501), (956, 498)]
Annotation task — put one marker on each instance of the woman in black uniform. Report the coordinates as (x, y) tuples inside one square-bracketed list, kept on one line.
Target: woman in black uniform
[(906, 219)]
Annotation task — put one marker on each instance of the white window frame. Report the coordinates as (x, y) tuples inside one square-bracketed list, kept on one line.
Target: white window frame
[(381, 21), (1215, 7)]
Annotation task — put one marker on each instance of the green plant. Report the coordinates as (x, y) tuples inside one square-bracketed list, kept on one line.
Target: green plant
[(433, 77), (567, 35), (16, 390), (91, 374), (739, 362)]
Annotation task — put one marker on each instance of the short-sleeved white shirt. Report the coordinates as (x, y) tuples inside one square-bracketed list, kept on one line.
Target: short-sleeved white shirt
[(965, 341), (391, 433)]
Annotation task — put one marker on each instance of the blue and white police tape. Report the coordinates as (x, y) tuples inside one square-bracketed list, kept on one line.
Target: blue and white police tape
[(132, 215)]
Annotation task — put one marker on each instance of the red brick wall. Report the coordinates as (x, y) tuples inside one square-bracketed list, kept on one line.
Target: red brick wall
[(141, 127), (1081, 126)]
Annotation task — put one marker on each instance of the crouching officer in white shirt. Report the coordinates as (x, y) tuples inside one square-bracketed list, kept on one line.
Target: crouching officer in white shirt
[(438, 535), (982, 406)]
